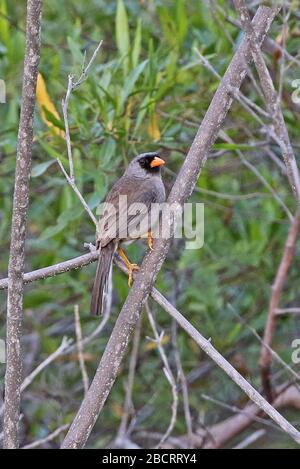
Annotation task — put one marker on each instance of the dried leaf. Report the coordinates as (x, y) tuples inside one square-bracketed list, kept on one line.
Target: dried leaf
[(45, 103)]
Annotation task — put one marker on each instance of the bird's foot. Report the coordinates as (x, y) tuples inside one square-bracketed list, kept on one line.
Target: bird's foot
[(131, 269), (150, 240)]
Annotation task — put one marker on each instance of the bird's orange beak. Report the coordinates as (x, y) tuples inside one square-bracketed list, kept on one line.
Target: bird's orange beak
[(157, 162)]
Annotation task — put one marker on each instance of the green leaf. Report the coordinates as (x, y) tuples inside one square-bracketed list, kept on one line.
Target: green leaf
[(232, 146), (136, 50), (131, 80), (122, 34), (51, 118), (50, 150), (181, 19), (4, 25), (39, 169)]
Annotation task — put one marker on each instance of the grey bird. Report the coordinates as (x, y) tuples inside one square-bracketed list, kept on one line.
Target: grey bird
[(125, 218)]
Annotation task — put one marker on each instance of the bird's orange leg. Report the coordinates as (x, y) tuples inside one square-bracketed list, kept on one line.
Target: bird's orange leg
[(131, 267), (150, 240)]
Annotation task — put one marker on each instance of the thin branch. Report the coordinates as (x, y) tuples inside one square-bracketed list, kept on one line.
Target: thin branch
[(48, 438), (224, 431), (72, 85), (263, 344), (250, 439), (78, 331), (72, 183), (276, 292), (244, 102), (117, 345), (271, 98), (13, 376), (208, 348), (255, 171), (56, 269), (53, 356), (282, 311), (184, 386), (168, 373), (251, 107)]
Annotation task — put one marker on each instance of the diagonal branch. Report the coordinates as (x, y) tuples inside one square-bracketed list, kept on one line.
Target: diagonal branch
[(116, 347), (276, 292), (13, 374), (280, 132), (208, 348)]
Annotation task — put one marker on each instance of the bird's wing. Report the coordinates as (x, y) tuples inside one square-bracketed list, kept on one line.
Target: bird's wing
[(126, 217)]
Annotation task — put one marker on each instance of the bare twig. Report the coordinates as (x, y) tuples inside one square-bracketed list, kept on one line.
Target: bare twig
[(28, 380), (226, 430), (276, 291), (263, 344), (56, 269), (249, 440), (208, 348), (272, 101), (168, 373), (282, 311), (184, 386), (72, 85), (254, 112), (251, 107), (48, 438), (77, 192), (13, 375), (53, 356), (255, 171), (78, 331), (182, 189)]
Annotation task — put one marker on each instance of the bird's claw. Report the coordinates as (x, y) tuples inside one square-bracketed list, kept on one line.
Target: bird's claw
[(150, 240), (131, 269)]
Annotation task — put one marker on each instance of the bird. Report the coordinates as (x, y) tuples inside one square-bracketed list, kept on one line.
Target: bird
[(140, 186)]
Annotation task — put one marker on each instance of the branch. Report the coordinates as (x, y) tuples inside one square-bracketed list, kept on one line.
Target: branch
[(79, 344), (229, 428), (272, 101), (13, 374), (208, 348), (276, 292), (72, 85), (116, 347), (169, 375), (50, 437), (56, 269)]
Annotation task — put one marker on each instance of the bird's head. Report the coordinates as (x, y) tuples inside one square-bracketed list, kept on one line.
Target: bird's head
[(145, 165)]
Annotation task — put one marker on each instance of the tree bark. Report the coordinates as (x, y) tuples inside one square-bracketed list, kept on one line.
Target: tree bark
[(13, 376)]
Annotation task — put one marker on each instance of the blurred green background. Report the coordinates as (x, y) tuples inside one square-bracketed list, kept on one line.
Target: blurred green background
[(146, 91)]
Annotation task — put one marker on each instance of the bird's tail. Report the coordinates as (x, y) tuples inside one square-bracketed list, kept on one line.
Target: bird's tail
[(101, 283)]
